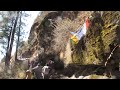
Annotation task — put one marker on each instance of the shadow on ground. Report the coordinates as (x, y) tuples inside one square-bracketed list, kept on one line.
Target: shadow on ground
[(85, 70)]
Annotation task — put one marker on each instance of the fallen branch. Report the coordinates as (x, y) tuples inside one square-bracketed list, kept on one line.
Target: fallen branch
[(111, 54)]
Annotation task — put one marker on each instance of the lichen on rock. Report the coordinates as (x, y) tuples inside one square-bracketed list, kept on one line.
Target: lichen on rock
[(101, 38)]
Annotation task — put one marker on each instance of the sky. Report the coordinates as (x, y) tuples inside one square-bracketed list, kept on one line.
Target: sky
[(29, 22)]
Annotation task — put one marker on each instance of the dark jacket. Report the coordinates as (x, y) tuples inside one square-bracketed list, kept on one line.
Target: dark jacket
[(38, 72)]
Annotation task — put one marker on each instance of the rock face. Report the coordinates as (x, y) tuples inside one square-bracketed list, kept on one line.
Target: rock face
[(49, 36), (102, 37), (49, 39), (50, 32)]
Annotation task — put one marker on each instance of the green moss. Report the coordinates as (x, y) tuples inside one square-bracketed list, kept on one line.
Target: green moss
[(98, 38), (108, 30)]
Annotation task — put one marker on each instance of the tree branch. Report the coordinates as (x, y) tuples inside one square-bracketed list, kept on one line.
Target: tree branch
[(111, 54)]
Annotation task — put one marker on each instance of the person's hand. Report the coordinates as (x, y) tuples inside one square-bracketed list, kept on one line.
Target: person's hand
[(28, 71)]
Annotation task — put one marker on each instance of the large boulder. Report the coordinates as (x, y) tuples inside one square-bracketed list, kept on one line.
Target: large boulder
[(50, 33)]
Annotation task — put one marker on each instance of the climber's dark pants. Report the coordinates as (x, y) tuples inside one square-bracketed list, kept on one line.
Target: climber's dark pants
[(46, 76)]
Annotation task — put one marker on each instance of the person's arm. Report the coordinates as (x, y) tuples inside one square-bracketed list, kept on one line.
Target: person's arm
[(34, 67), (43, 75), (43, 70)]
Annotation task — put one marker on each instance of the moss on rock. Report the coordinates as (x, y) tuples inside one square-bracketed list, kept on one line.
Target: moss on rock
[(103, 32)]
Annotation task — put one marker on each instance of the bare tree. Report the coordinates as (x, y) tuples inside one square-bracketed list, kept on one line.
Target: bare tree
[(18, 39), (10, 40)]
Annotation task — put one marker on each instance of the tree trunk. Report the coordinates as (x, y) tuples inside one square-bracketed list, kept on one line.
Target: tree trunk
[(8, 54), (8, 46), (6, 62), (17, 45)]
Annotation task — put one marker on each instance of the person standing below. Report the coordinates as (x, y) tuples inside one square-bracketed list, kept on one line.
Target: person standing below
[(28, 74), (51, 65), (29, 71), (38, 71), (46, 71)]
